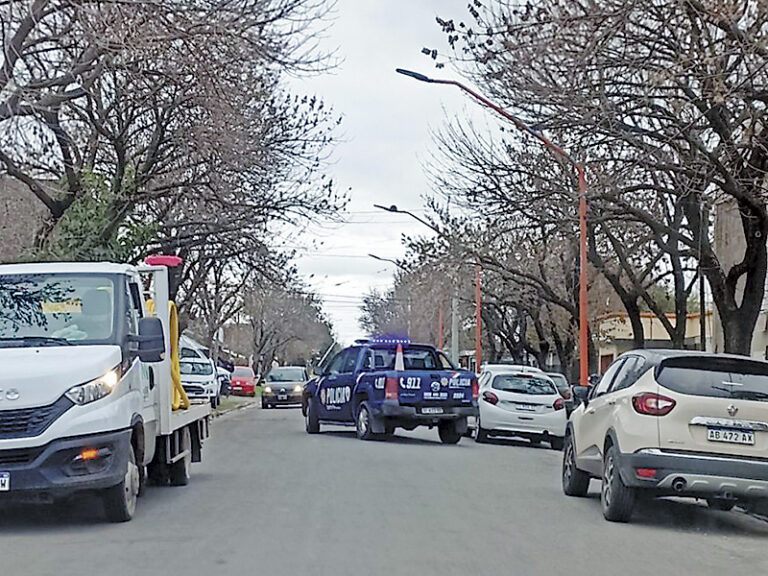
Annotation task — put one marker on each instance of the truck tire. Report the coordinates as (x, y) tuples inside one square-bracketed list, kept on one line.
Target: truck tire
[(311, 418), (180, 470), (157, 470), (481, 434), (575, 481), (617, 499), (363, 423), (448, 433), (120, 501)]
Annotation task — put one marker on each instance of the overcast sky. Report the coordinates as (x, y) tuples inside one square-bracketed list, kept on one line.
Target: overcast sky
[(386, 128)]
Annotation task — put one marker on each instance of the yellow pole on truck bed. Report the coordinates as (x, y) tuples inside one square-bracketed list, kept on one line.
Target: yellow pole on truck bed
[(179, 399)]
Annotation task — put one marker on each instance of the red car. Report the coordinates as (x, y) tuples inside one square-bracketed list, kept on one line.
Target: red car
[(243, 381)]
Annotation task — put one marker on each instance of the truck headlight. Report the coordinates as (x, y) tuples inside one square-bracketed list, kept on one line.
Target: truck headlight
[(268, 389), (298, 388), (95, 389)]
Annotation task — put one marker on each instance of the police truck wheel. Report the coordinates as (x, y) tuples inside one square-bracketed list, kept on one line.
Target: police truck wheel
[(311, 420), (180, 470), (448, 433), (120, 501), (363, 423)]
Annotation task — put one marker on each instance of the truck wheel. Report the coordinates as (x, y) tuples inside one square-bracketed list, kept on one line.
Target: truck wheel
[(617, 499), (363, 423), (575, 481), (311, 419), (179, 472), (481, 434), (120, 501), (448, 433)]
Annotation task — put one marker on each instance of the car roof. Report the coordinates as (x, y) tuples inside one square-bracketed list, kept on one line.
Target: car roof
[(67, 268), (278, 367), (657, 356), (196, 360), (513, 368)]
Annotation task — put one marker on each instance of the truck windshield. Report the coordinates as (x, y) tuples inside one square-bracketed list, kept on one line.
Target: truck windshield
[(288, 374), (56, 309), (196, 368)]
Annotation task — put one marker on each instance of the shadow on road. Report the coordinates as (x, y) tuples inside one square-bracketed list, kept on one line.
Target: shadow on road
[(396, 439), (81, 511), (690, 516), (503, 441)]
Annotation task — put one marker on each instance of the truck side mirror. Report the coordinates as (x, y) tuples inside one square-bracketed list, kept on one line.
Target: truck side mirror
[(151, 340)]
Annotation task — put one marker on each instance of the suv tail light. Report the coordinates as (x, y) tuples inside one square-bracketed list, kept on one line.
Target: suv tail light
[(476, 389), (652, 404), (491, 398), (559, 404), (391, 389)]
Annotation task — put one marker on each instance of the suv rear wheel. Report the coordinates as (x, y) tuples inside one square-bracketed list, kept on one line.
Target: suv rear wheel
[(363, 423), (575, 481), (617, 499)]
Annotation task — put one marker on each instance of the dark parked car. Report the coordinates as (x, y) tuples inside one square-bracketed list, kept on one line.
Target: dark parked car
[(283, 385)]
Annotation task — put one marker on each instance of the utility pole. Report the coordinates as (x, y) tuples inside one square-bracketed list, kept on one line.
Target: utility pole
[(440, 328), (455, 329), (478, 317)]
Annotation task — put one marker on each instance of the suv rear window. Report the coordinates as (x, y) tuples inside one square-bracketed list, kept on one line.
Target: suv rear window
[(715, 377)]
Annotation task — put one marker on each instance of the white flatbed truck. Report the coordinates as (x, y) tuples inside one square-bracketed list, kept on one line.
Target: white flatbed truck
[(86, 385)]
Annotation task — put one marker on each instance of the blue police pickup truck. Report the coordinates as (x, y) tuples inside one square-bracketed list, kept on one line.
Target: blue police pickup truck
[(382, 384)]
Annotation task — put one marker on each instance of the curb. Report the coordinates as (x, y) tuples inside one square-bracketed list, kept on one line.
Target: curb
[(244, 406)]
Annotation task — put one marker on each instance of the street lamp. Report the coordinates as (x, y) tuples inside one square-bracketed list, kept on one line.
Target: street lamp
[(582, 180), (454, 300)]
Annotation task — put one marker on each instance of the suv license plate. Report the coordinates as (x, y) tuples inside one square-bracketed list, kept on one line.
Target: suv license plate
[(431, 410), (282, 397), (731, 436), (5, 481)]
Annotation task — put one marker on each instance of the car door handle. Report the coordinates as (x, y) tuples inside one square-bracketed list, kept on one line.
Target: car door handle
[(590, 411), (612, 401)]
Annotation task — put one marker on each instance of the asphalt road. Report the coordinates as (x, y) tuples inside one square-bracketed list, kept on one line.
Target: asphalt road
[(271, 500)]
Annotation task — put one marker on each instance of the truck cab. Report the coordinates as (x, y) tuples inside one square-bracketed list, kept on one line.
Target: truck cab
[(382, 384), (85, 385)]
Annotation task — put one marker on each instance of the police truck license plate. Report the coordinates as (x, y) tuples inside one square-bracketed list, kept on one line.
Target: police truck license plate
[(431, 410), (5, 481), (730, 436)]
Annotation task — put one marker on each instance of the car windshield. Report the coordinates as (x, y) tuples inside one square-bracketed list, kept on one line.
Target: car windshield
[(287, 374), (413, 358), (732, 378), (241, 372), (523, 384), (56, 309), (559, 380), (196, 368)]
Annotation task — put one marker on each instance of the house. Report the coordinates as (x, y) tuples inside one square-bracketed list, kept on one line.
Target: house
[(614, 334)]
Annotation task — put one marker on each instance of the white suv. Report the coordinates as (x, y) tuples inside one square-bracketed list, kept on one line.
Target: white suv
[(671, 423)]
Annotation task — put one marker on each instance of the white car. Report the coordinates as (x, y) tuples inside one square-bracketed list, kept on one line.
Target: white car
[(520, 401), (671, 423), (198, 377)]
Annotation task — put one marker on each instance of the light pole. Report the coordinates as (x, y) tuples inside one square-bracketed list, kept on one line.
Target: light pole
[(582, 180), (454, 299), (408, 302)]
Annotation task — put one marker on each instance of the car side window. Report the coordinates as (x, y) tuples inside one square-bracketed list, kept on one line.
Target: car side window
[(350, 360), (610, 375), (633, 368)]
